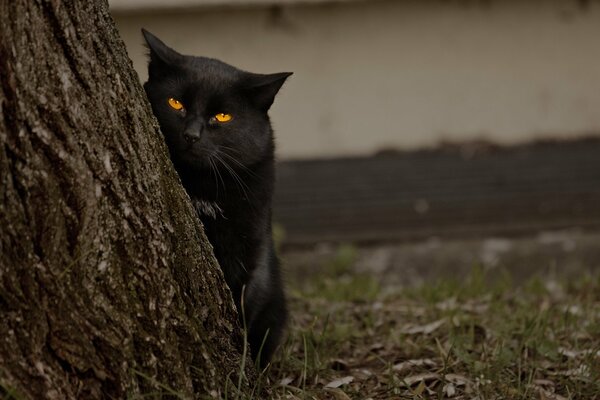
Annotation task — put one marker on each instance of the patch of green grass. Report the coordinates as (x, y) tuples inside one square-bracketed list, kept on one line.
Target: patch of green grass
[(336, 282), (476, 284), (358, 288), (483, 337)]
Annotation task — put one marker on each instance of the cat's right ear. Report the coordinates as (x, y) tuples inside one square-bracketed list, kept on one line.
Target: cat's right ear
[(160, 53), (263, 88)]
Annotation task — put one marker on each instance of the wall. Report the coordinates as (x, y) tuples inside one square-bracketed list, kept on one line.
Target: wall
[(403, 74)]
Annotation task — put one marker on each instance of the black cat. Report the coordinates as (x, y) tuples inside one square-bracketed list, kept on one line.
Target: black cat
[(214, 119)]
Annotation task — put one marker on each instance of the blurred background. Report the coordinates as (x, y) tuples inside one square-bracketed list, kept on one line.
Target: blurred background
[(429, 135)]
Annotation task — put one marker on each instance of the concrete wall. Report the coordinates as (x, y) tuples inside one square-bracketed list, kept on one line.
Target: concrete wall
[(403, 74)]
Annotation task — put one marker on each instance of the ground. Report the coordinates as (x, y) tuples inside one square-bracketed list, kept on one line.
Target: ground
[(491, 333)]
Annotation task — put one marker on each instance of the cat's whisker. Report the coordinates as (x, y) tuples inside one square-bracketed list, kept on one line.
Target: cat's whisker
[(230, 148), (238, 163), (219, 174), (212, 168), (245, 189), (237, 178)]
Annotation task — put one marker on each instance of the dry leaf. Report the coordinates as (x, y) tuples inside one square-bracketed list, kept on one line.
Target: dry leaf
[(573, 309), (420, 389), (286, 381), (547, 395), (376, 346), (425, 329), (458, 380), (476, 308), (339, 365), (362, 374), (448, 304), (583, 371), (338, 393), (339, 382), (411, 380), (449, 389), (406, 365), (575, 353)]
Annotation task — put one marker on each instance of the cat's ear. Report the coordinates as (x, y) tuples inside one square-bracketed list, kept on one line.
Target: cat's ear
[(263, 88), (160, 53)]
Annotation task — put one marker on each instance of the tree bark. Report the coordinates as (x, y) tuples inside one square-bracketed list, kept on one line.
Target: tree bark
[(108, 286)]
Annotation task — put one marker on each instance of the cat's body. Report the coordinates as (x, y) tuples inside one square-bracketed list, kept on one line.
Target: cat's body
[(215, 122)]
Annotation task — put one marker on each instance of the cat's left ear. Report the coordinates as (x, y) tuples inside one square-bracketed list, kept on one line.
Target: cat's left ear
[(263, 88), (160, 52)]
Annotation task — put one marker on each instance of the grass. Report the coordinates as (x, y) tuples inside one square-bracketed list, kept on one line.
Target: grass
[(469, 339)]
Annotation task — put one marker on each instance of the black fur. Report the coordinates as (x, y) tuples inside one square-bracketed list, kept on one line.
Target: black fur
[(228, 171)]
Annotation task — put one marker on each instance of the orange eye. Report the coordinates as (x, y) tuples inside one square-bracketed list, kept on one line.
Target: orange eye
[(175, 104), (223, 117)]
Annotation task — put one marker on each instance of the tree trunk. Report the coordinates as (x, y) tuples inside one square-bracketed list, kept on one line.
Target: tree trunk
[(108, 286)]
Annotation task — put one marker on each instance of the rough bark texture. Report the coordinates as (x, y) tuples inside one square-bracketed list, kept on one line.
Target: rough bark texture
[(108, 287)]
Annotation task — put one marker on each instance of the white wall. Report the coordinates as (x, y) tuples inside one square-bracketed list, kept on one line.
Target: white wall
[(403, 74)]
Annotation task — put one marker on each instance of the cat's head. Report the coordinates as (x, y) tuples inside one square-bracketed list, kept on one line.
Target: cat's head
[(208, 109)]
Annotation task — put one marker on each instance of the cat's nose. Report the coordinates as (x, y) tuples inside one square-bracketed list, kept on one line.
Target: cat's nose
[(191, 136), (193, 132)]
